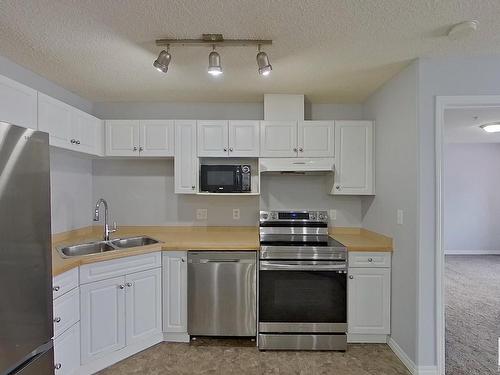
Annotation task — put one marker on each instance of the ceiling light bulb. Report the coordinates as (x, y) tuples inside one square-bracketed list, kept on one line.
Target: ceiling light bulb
[(214, 66), (494, 127), (263, 63), (161, 63)]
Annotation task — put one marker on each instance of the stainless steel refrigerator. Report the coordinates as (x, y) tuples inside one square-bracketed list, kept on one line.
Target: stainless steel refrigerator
[(26, 329)]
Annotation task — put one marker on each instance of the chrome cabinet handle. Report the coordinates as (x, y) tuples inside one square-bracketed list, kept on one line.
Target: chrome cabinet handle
[(370, 260), (134, 149), (57, 320), (57, 366), (295, 149), (77, 142), (73, 141), (193, 187), (301, 149), (121, 286), (351, 277), (183, 260), (56, 288), (337, 187), (225, 149), (141, 149), (128, 284), (230, 149)]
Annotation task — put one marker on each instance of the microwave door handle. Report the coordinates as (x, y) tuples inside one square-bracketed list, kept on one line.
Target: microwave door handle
[(238, 179)]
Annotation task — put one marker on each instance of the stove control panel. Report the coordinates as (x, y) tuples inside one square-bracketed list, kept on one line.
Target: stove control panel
[(302, 216)]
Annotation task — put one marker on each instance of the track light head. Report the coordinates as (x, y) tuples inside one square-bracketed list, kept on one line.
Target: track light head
[(161, 63), (263, 63), (214, 66)]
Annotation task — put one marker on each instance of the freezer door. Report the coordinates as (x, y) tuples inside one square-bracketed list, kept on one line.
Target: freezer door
[(25, 245)]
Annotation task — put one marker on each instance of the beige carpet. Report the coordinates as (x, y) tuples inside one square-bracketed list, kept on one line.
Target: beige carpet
[(241, 357), (472, 314)]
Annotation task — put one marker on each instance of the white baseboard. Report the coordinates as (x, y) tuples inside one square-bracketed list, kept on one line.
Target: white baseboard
[(410, 365), (472, 252), (357, 338), (175, 337), (119, 355)]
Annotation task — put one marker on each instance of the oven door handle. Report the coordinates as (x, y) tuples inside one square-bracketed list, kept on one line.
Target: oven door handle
[(280, 266)]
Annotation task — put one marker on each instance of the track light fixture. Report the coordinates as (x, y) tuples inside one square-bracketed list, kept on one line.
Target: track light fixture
[(214, 60), (214, 67), (263, 63), (161, 63)]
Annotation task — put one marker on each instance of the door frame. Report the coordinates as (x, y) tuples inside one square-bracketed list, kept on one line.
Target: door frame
[(443, 103)]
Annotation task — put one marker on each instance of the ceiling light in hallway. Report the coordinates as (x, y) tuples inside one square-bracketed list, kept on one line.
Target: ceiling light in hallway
[(214, 66), (161, 63), (493, 127), (263, 63)]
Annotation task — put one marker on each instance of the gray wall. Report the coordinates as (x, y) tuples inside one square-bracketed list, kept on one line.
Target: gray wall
[(471, 198), (394, 108), (71, 190), (453, 76)]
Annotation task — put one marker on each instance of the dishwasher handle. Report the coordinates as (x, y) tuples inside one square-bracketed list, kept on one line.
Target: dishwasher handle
[(216, 261)]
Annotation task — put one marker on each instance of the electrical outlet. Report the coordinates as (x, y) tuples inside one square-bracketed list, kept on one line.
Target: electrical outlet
[(201, 214), (236, 214), (400, 216), (333, 214)]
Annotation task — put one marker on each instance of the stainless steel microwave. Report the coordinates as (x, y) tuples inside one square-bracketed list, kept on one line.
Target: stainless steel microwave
[(225, 179)]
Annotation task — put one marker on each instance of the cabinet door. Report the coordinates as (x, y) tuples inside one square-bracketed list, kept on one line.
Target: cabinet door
[(212, 138), (122, 138), (143, 305), (316, 139), (185, 161), (54, 117), (86, 132), (18, 103), (175, 291), (244, 138), (369, 304), (102, 318), (157, 138), (67, 351), (354, 158), (278, 138)]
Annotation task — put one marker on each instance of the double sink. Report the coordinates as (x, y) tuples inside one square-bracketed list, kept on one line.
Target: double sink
[(104, 246)]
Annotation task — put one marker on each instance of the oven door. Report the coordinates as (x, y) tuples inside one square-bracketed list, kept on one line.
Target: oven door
[(220, 178), (302, 296)]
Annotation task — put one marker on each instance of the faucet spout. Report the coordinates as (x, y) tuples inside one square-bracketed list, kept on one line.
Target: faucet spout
[(107, 231)]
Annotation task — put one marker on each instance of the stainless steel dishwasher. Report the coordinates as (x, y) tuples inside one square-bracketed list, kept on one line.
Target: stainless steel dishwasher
[(222, 293)]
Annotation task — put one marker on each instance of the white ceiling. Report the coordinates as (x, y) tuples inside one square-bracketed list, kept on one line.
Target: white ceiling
[(330, 50), (462, 126)]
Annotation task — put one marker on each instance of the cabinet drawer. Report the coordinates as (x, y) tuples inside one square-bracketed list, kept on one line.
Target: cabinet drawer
[(66, 311), (118, 267), (366, 259), (67, 351), (64, 282)]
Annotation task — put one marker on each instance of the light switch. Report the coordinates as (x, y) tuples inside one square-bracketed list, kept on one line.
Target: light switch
[(400, 216), (201, 214), (333, 214), (236, 214)]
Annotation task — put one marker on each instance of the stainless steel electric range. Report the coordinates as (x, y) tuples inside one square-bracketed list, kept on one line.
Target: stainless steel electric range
[(302, 288)]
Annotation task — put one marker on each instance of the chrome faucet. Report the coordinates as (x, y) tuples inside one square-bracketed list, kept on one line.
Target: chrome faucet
[(107, 231)]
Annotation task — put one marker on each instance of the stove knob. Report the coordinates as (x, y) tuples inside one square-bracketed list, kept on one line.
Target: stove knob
[(265, 216), (312, 216), (321, 217), (274, 216)]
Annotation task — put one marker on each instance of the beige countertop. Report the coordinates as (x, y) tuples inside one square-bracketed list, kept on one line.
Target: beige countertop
[(194, 238)]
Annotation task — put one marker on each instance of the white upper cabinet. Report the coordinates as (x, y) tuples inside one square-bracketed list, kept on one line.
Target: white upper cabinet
[(278, 139), (185, 160), (69, 127), (139, 138), (212, 138), (354, 169), (18, 103), (122, 138), (244, 138), (156, 138), (316, 139)]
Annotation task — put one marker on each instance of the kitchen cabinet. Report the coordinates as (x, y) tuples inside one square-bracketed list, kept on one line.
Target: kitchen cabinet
[(175, 295), (185, 161), (143, 305), (102, 318), (228, 138), (18, 103), (354, 163), (140, 138), (297, 139), (67, 351), (69, 127), (369, 301)]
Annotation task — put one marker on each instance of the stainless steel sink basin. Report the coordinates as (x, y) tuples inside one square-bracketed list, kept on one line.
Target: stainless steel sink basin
[(86, 249), (103, 246), (134, 241)]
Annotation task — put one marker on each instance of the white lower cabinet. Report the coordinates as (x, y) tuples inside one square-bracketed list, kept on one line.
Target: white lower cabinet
[(175, 295), (102, 318), (67, 351), (369, 301)]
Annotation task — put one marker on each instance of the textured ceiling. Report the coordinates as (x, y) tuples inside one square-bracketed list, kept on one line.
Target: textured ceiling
[(330, 50), (462, 125)]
